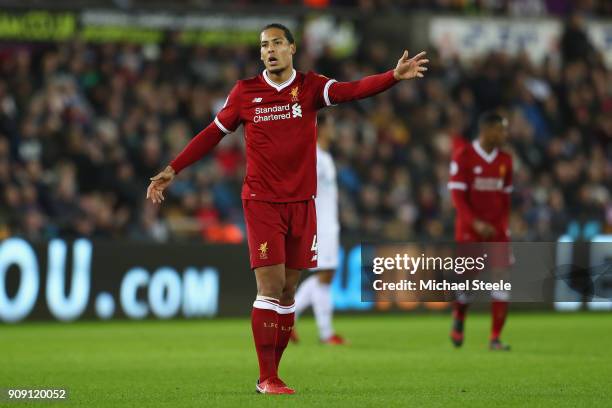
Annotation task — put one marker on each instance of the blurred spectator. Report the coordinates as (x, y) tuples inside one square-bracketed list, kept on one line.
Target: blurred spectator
[(575, 43), (83, 127), (516, 8)]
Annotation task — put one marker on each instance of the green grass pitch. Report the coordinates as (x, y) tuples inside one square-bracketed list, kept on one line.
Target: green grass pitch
[(558, 360)]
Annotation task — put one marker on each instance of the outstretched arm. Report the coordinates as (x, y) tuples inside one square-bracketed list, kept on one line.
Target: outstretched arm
[(197, 148), (407, 68)]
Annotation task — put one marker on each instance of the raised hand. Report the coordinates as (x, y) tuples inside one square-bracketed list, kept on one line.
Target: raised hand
[(155, 191), (408, 68)]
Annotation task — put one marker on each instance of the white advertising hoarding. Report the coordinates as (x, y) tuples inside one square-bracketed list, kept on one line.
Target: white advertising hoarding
[(468, 38)]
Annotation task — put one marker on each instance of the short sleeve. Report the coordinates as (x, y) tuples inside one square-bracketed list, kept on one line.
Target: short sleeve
[(228, 118), (458, 172), (321, 85)]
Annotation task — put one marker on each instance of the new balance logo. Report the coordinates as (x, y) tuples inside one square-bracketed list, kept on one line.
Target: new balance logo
[(257, 100), (296, 110)]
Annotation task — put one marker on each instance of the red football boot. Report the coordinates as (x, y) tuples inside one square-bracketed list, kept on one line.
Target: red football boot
[(456, 337), (497, 345), (274, 386), (335, 340)]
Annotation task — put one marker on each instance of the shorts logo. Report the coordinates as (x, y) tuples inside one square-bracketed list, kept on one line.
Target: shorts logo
[(263, 250), (294, 94)]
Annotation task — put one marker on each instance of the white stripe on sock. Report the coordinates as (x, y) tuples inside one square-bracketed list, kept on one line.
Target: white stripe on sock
[(264, 304), (286, 309), (260, 297)]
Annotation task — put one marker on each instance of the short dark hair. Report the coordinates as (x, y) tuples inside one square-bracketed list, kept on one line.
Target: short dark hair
[(286, 31), (490, 118)]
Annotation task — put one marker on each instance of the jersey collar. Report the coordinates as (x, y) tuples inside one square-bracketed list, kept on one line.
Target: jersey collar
[(279, 87), (488, 157)]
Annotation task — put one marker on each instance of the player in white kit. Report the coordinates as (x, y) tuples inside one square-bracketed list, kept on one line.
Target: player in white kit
[(316, 290)]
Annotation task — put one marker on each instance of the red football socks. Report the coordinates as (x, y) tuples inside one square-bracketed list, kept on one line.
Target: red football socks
[(286, 318), (264, 322), (459, 311), (499, 310)]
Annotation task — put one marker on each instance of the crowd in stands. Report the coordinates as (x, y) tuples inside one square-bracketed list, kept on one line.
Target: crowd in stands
[(84, 126), (511, 8)]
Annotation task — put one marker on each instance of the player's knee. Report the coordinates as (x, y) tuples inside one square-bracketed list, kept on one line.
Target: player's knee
[(288, 294), (270, 289), (287, 298), (270, 281)]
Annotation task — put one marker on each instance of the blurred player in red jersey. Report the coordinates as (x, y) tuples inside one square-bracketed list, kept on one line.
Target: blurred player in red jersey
[(480, 184), (278, 110)]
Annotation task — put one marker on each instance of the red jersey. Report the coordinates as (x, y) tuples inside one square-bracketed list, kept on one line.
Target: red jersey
[(280, 128), (481, 184)]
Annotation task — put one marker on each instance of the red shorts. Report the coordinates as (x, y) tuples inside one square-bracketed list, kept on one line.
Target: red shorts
[(281, 233)]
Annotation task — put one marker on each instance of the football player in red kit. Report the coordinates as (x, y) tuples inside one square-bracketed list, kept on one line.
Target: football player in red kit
[(480, 184), (278, 110)]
